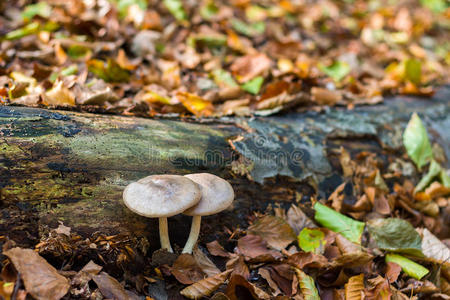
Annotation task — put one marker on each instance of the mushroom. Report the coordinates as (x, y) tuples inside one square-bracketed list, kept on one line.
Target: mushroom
[(216, 195), (161, 196)]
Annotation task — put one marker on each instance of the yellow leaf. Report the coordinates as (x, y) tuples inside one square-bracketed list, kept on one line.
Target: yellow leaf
[(354, 288), (196, 105), (59, 95)]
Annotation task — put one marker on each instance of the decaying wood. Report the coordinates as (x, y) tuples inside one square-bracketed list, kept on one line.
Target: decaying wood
[(58, 166)]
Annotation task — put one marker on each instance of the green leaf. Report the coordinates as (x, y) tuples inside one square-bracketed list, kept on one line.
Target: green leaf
[(408, 266), (307, 286), (78, 51), (433, 171), (437, 6), (338, 70), (222, 77), (211, 40), (123, 5), (337, 222), (208, 10), (396, 235), (28, 29), (39, 9), (176, 9), (445, 179), (416, 142), (112, 72), (253, 86), (250, 30), (413, 70), (311, 239)]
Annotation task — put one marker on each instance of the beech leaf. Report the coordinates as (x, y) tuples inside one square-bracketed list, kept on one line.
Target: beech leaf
[(307, 285), (41, 279), (395, 234), (337, 222), (354, 288), (408, 266), (311, 239), (417, 144), (205, 287)]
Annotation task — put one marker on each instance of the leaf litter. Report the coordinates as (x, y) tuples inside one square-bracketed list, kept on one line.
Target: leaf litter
[(215, 59)]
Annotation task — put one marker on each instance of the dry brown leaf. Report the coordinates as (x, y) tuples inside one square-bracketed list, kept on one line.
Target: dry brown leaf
[(392, 271), (186, 270), (275, 231), (207, 266), (253, 246), (59, 95), (325, 97), (41, 279), (110, 287), (307, 259), (350, 260), (354, 288), (347, 165), (433, 248), (237, 264), (86, 273), (216, 249), (265, 273), (298, 220), (249, 66), (205, 287), (239, 288)]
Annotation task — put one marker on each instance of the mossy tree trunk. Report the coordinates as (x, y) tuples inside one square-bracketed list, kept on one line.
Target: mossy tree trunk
[(72, 167)]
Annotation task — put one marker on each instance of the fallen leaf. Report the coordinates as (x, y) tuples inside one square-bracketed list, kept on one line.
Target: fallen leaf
[(312, 240), (338, 70), (253, 246), (307, 285), (395, 234), (275, 231), (239, 288), (41, 279), (110, 287), (186, 270), (195, 104), (392, 271), (216, 249), (329, 218), (354, 288), (302, 260), (207, 266), (323, 96), (408, 266), (205, 287), (298, 220), (238, 266), (433, 248), (250, 66), (416, 142)]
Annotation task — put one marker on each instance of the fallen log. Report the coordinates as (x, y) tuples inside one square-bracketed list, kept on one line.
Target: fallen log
[(70, 167)]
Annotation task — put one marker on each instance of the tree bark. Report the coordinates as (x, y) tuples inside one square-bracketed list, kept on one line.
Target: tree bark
[(70, 167)]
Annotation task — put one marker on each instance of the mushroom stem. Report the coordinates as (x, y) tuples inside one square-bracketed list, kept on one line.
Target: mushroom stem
[(193, 235), (164, 235)]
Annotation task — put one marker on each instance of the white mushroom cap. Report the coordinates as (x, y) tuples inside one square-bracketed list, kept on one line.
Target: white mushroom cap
[(161, 195), (217, 194)]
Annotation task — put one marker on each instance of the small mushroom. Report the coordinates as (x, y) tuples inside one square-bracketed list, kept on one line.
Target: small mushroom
[(161, 196), (217, 195)]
